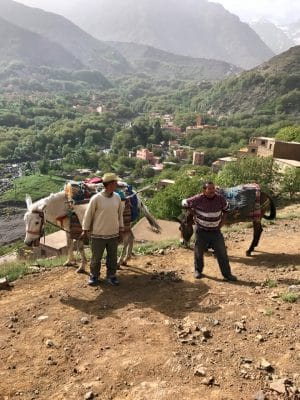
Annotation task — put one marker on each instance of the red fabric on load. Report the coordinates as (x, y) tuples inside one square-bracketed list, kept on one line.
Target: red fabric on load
[(256, 214), (93, 180)]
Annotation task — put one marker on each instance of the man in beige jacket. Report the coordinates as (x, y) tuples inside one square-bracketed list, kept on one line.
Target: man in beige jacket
[(103, 220)]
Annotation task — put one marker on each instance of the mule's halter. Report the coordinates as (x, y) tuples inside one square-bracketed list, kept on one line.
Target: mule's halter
[(39, 232)]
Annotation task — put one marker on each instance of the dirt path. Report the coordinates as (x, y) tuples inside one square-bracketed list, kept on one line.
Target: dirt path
[(155, 337)]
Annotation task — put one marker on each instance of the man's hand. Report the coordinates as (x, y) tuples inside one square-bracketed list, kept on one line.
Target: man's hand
[(121, 235), (223, 220), (84, 234), (184, 204)]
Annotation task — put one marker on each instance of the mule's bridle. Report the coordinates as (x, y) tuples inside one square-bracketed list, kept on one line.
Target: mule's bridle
[(39, 232)]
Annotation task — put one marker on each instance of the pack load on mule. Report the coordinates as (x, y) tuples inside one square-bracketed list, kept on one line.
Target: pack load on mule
[(79, 193), (65, 210), (246, 203)]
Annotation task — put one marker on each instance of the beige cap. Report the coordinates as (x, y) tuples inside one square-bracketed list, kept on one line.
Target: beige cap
[(110, 177)]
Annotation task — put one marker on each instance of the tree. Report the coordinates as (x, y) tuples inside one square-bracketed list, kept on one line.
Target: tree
[(157, 132), (260, 170), (185, 119), (291, 181), (148, 172), (166, 203), (289, 133), (43, 166)]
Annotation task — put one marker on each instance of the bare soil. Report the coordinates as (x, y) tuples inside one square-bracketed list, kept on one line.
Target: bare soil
[(160, 335)]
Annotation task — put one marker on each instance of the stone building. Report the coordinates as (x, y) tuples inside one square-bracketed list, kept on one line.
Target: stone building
[(271, 147), (198, 158)]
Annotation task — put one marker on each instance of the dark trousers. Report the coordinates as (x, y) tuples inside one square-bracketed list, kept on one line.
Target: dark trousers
[(98, 246), (216, 240)]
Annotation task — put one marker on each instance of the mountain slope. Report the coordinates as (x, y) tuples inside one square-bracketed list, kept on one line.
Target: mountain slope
[(273, 87), (273, 36), (194, 28), (163, 65), (17, 44), (90, 51)]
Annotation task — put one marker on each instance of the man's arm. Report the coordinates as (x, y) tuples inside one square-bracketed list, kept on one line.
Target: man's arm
[(225, 209), (190, 202), (89, 215), (223, 219)]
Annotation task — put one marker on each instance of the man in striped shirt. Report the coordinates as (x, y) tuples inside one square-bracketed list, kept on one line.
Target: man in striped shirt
[(209, 210)]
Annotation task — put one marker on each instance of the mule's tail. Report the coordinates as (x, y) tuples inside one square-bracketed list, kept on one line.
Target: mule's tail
[(151, 220), (272, 209)]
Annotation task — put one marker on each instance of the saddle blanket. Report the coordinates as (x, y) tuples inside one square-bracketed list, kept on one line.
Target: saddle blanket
[(244, 201)]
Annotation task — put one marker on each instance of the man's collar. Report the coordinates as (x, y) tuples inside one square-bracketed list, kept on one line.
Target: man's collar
[(106, 194)]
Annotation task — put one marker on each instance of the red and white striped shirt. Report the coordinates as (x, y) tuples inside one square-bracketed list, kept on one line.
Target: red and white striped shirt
[(208, 211)]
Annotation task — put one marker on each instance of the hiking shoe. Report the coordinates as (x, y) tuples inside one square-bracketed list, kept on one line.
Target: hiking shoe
[(230, 278), (113, 280), (93, 280), (198, 275)]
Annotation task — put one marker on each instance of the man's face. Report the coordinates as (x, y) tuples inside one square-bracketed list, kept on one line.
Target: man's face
[(210, 190), (112, 186)]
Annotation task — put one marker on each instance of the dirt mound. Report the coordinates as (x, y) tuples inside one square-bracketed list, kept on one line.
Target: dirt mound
[(143, 233), (161, 335)]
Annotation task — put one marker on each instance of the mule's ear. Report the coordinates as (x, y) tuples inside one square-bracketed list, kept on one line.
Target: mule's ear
[(28, 201)]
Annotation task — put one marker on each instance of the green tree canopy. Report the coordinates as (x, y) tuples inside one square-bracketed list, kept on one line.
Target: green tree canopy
[(289, 133), (249, 170)]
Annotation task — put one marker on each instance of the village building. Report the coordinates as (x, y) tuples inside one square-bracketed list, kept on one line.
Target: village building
[(180, 154), (220, 162), (200, 125), (284, 164), (164, 183), (145, 154), (198, 158), (270, 147), (168, 119), (173, 143), (173, 129), (84, 171), (158, 167), (100, 109)]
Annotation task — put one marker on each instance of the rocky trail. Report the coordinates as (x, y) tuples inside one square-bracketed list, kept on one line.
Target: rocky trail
[(160, 335)]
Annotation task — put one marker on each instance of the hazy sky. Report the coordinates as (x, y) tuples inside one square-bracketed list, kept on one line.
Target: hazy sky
[(280, 11)]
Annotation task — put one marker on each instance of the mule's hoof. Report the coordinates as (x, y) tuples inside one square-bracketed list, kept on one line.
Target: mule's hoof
[(80, 270), (69, 264), (248, 253)]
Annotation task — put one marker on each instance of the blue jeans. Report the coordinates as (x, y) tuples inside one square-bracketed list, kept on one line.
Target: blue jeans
[(216, 240), (98, 246)]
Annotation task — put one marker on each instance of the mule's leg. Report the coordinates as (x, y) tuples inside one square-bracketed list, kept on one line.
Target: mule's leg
[(129, 247), (80, 248), (70, 247), (124, 249), (257, 230)]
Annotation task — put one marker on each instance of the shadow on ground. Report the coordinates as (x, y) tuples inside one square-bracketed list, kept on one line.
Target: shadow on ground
[(269, 260), (138, 288)]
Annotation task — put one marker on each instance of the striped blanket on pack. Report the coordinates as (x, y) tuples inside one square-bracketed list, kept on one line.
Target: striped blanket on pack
[(244, 201)]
